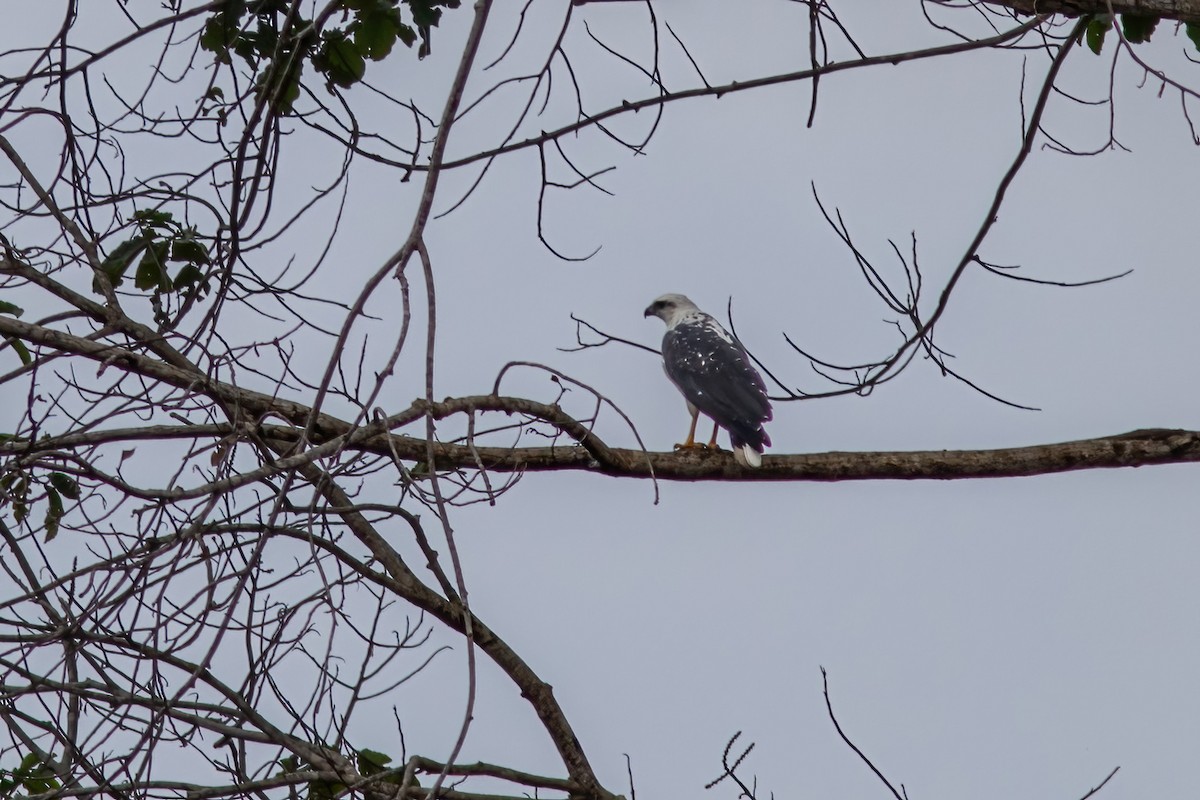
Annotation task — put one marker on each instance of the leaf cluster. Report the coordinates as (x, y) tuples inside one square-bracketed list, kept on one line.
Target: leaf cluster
[(277, 43), (369, 763), (20, 490), (16, 344), (33, 776), (170, 260), (1135, 28)]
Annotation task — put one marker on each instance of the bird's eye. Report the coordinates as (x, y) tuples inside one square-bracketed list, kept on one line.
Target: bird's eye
[(661, 304)]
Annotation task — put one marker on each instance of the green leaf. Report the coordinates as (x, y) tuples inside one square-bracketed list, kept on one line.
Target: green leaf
[(40, 784), (427, 15), (22, 351), (190, 250), (375, 41), (19, 495), (118, 261), (54, 513), (265, 39), (372, 762), (188, 277), (11, 308), (324, 790), (1138, 27), (153, 218), (1193, 32), (222, 30), (376, 29), (339, 60), (271, 7), (287, 90), (33, 775), (407, 35), (65, 484), (152, 269), (42, 780), (1096, 28), (216, 38)]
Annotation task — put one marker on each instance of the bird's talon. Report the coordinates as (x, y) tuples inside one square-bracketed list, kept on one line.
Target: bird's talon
[(707, 448)]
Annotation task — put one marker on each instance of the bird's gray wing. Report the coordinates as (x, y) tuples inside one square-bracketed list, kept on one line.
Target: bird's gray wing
[(714, 373)]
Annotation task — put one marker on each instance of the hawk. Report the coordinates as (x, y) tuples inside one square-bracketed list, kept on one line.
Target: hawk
[(714, 374)]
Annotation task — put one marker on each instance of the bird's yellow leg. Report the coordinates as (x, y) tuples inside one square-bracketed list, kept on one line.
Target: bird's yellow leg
[(712, 443), (691, 440)]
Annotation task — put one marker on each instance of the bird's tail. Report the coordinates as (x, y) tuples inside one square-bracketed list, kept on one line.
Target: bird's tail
[(748, 446), (747, 456)]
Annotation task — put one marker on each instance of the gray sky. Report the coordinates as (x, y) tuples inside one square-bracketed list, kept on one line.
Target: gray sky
[(984, 639)]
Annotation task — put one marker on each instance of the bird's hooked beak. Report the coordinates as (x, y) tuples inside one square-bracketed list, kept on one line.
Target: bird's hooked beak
[(649, 311)]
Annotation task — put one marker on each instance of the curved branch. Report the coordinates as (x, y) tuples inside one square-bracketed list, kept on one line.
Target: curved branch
[(539, 693), (590, 120)]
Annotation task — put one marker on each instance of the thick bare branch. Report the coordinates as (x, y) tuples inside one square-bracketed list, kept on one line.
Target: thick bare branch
[(1134, 449), (587, 451), (1179, 10)]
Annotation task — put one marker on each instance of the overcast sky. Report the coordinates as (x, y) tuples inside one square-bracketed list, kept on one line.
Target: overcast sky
[(984, 639)]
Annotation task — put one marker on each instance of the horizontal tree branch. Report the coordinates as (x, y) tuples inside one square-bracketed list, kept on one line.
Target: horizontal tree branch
[(1147, 447), (431, 767), (583, 449), (1134, 449)]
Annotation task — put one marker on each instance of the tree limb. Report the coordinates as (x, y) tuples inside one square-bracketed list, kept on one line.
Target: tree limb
[(1178, 10), (1134, 449)]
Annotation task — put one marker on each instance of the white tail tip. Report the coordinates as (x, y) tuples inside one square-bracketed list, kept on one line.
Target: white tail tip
[(747, 456)]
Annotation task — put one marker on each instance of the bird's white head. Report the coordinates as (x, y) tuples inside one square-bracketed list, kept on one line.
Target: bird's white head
[(671, 308)]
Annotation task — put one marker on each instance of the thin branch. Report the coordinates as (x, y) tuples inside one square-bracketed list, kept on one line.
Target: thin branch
[(858, 752)]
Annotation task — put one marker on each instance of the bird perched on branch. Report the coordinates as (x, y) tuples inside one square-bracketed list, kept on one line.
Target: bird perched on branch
[(714, 374)]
